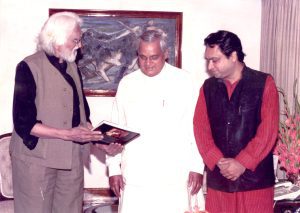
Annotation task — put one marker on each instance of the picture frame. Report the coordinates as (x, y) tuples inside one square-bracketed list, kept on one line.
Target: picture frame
[(109, 48)]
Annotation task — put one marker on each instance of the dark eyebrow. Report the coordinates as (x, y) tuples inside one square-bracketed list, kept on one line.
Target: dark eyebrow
[(212, 58)]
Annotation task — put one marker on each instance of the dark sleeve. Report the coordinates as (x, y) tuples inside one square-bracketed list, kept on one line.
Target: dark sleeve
[(86, 105), (24, 109)]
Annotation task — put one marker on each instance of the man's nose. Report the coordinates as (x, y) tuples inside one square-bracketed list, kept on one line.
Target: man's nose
[(79, 45), (148, 60), (209, 65)]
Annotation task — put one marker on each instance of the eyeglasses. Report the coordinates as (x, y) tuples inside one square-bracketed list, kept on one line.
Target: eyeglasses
[(77, 41), (150, 58)]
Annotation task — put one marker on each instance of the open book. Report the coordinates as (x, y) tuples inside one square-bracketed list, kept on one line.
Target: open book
[(114, 133)]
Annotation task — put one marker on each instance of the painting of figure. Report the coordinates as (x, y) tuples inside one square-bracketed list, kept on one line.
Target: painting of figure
[(109, 45)]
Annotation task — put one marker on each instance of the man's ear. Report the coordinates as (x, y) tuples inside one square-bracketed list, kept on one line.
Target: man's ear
[(234, 56), (166, 54)]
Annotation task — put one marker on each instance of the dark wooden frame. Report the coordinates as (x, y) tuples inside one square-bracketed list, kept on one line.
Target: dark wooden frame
[(176, 17)]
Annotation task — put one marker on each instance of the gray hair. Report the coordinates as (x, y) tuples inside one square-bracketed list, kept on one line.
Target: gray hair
[(153, 35), (56, 30)]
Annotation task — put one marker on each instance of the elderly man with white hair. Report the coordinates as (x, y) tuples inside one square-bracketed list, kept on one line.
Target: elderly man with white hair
[(52, 128)]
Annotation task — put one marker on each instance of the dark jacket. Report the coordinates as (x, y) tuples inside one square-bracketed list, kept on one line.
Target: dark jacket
[(234, 123)]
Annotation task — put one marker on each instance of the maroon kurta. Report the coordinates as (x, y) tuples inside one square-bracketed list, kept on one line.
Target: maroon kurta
[(249, 157)]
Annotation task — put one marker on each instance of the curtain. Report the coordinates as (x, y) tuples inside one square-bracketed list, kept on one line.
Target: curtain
[(280, 43), (280, 47)]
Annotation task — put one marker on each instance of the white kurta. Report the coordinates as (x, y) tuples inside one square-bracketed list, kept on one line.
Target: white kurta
[(156, 165)]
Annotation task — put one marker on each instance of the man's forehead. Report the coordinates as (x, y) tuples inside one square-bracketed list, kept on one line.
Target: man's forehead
[(214, 47), (213, 52)]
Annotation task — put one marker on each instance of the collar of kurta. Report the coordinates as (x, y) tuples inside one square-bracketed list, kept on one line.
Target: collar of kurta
[(160, 75)]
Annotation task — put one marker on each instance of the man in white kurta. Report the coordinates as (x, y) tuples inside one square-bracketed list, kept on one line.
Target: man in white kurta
[(157, 101)]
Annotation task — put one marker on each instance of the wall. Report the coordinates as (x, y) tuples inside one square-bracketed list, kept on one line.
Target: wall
[(20, 21)]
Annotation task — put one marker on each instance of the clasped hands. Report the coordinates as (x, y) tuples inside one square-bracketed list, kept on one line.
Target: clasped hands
[(230, 168)]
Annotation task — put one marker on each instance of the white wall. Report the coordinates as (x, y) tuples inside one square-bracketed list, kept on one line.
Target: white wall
[(20, 21)]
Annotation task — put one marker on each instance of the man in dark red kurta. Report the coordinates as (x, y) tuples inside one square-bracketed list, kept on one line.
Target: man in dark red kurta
[(236, 124)]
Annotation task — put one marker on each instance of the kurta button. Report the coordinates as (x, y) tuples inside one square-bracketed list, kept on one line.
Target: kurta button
[(65, 122), (65, 89), (228, 123)]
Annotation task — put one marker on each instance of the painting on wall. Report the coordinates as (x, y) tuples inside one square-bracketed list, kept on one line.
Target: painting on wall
[(109, 44)]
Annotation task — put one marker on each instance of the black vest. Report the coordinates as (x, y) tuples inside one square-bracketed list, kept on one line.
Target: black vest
[(233, 124)]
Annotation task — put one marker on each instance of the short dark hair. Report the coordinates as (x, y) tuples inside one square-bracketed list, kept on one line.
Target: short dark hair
[(228, 42)]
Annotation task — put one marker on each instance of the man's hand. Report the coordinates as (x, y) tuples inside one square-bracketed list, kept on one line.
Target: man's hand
[(195, 182), (223, 163), (82, 134), (116, 184), (231, 168), (111, 149), (89, 125)]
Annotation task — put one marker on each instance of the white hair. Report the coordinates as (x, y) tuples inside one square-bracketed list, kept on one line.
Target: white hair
[(151, 35), (56, 30)]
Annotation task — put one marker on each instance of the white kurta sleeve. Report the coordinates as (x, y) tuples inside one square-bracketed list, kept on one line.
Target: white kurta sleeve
[(114, 162), (196, 161)]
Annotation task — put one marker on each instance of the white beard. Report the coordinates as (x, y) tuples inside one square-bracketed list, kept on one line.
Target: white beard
[(69, 56)]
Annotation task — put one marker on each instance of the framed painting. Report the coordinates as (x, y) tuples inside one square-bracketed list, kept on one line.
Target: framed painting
[(109, 50)]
